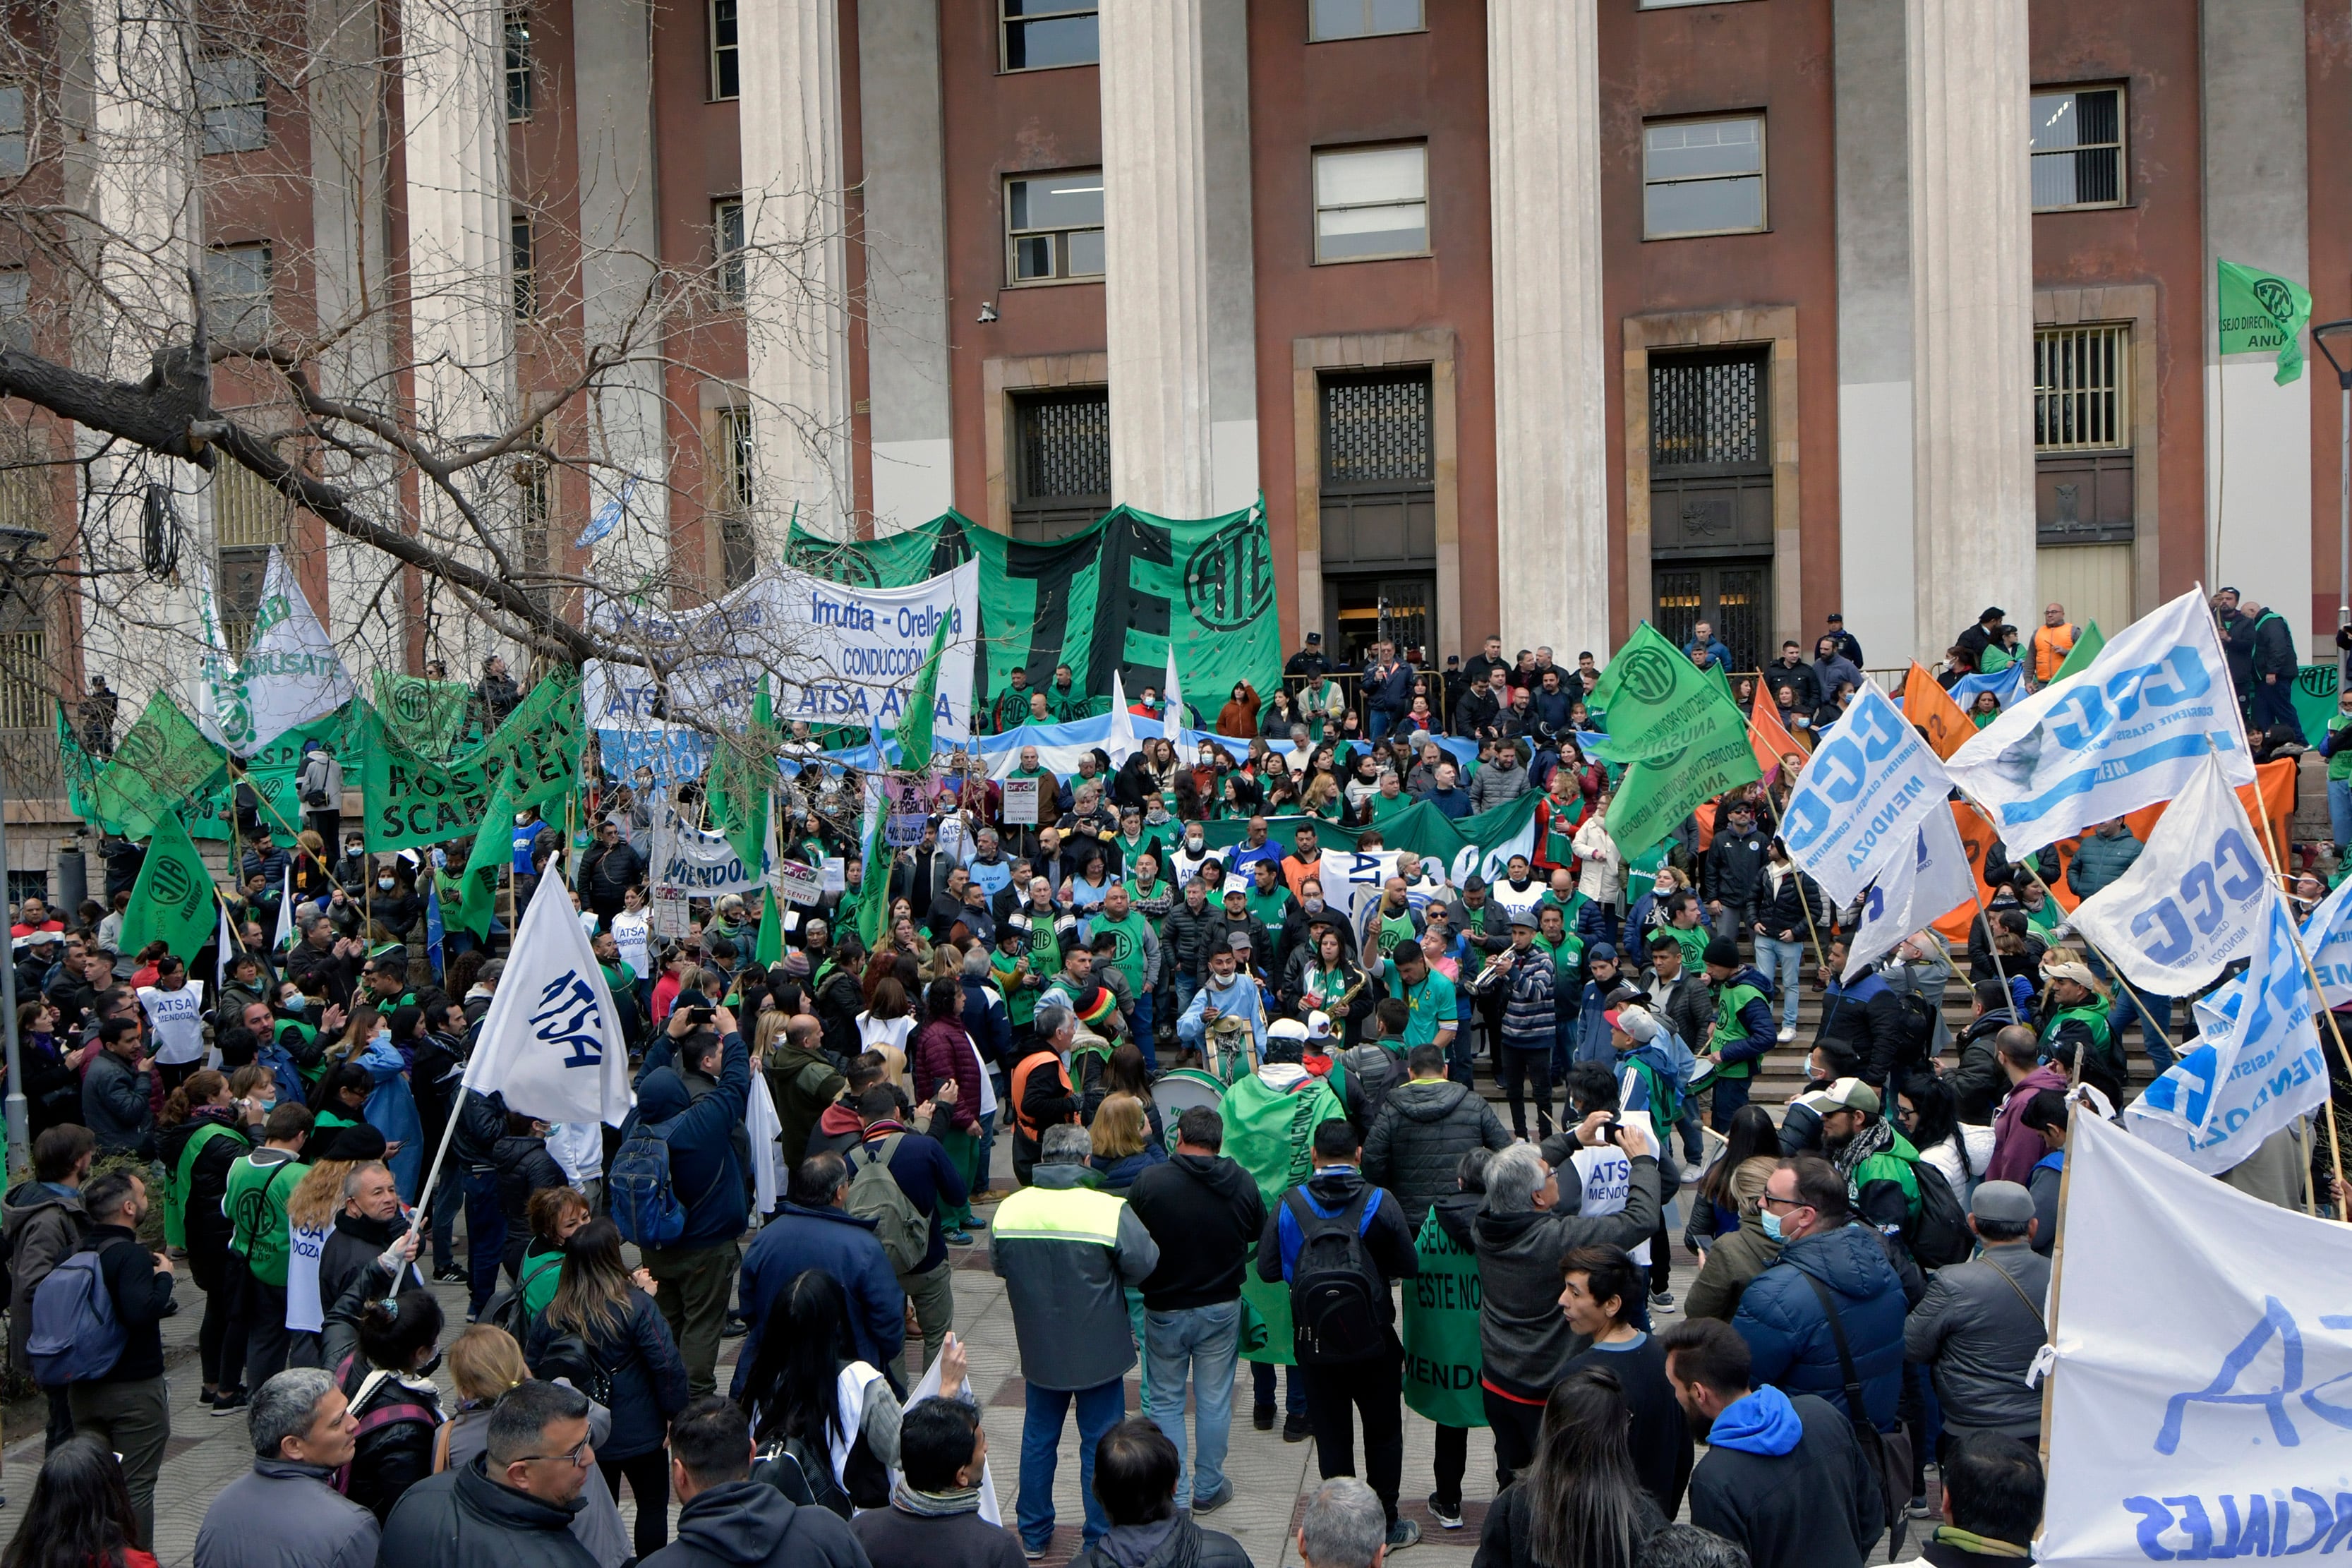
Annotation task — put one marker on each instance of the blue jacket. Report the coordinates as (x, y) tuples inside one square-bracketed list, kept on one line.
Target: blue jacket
[(703, 1168), (838, 1243), (985, 1020), (1593, 1044), (1393, 694), (1759, 1030), (1788, 1333)]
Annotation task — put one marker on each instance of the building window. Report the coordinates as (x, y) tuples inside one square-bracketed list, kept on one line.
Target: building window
[(229, 95), (12, 129), (725, 68), (1703, 176), (534, 516), (1706, 412), (1061, 462), (237, 293), (1040, 34), (2081, 381), (1376, 431), (24, 702), (520, 72), (526, 266), (16, 310), (727, 247), (249, 518), (739, 555), (1371, 201), (2078, 149), (1329, 19), (1052, 227)]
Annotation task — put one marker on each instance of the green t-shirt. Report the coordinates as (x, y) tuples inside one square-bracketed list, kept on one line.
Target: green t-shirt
[(256, 1210), (1388, 930), (2339, 767), (1693, 946), (1385, 808), (1019, 1001), (1429, 1006), (1268, 907), (1129, 954)]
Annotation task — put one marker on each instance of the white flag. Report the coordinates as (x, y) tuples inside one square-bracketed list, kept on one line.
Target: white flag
[(551, 1040), (2127, 731), (1171, 723), (1913, 891), (222, 946), (1862, 796), (2195, 898), (282, 939), (2327, 936), (2256, 1064), (1122, 723), (2201, 1401), (764, 1130), (291, 674), (214, 701)]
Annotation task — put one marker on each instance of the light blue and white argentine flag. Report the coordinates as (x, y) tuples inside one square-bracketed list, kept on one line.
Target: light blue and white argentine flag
[(551, 1040), (1862, 797), (2126, 732), (2256, 1066)]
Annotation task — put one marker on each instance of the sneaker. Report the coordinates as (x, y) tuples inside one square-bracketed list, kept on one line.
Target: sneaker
[(1034, 1554), (1262, 1418), (453, 1275), (1212, 1504), (1662, 1301), (1788, 1034), (1447, 1518), (1295, 1429), (1404, 1532), (959, 1239), (1919, 1509), (230, 1404)]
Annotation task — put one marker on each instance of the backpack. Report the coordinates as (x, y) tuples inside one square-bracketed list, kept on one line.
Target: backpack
[(1914, 1041), (75, 1335), (875, 1194), (1373, 1070), (639, 1192), (405, 1405), (808, 1479), (508, 1309), (1336, 1292), (568, 1356), (1940, 1236)]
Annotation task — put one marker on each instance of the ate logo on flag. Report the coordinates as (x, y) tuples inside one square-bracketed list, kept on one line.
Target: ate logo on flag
[(568, 1016)]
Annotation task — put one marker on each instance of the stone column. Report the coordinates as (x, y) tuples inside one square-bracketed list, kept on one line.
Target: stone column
[(1156, 249), (795, 267), (1551, 366), (1971, 318)]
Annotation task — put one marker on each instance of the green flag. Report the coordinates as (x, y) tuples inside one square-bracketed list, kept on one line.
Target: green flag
[(408, 800), (741, 777), (770, 951), (871, 904), (171, 903), (539, 745), (161, 762), (1658, 702), (2086, 649), (914, 724), (1441, 1358), (1663, 786), (476, 899), (2263, 313), (1270, 1132), (427, 717)]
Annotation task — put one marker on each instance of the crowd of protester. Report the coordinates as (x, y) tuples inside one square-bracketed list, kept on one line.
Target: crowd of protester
[(1221, 1082)]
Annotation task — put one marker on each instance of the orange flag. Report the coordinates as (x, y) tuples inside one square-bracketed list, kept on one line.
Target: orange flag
[(1770, 738), (1928, 705)]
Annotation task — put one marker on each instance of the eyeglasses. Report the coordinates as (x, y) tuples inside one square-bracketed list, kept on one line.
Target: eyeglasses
[(579, 1456), (1772, 1203)]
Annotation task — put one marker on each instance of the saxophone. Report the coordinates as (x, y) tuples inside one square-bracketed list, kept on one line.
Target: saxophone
[(1335, 1005)]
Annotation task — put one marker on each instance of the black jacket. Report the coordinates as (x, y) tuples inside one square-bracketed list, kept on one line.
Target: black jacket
[(1866, 1017), (140, 1294), (398, 1452), (614, 872), (1184, 940), (115, 1106), (208, 1227), (1785, 1509), (1807, 684), (648, 1378), (1786, 909), (1978, 1083), (354, 1245), (1425, 1127), (892, 1536), (524, 1166), (481, 1122), (1506, 1540), (1173, 1542), (463, 1519), (1734, 869), (750, 1524), (1206, 1214), (1387, 1238)]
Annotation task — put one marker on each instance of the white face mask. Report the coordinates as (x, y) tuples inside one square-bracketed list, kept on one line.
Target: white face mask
[(385, 882)]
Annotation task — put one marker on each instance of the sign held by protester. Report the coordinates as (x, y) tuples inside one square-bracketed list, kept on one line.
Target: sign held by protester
[(2219, 1426), (798, 881), (1020, 802)]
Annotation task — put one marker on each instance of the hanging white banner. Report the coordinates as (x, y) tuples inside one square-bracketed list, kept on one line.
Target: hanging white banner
[(291, 673), (2127, 731), (704, 864), (2218, 1422), (2195, 898), (1862, 796)]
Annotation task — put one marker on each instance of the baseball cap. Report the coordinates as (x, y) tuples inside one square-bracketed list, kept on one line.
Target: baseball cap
[(1845, 1094), (1601, 950), (1837, 616), (1238, 940), (1523, 919), (1635, 1023), (1318, 1026), (2079, 974), (2002, 1201)]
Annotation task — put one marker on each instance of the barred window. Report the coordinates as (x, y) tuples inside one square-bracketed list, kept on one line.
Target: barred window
[(525, 246), (1062, 461), (1706, 412), (2081, 381), (735, 459), (23, 655), (12, 129), (230, 97), (520, 72), (534, 515), (1040, 33), (2078, 149), (726, 57), (1376, 430), (248, 512), (726, 241), (1053, 227), (237, 292)]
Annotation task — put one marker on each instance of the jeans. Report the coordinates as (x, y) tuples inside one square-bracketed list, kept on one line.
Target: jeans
[(1461, 1055), (1376, 722), (1143, 1034), (1694, 1143), (1779, 962), (2155, 1021), (1729, 1095), (485, 1237), (1185, 986), (1201, 1343), (448, 1202), (1293, 1393), (2340, 812), (1335, 1395), (2274, 704), (1100, 1408)]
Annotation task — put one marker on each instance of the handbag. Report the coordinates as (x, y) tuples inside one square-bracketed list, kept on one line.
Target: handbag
[(1892, 1449)]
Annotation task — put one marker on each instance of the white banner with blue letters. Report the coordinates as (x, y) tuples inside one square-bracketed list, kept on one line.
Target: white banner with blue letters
[(1863, 797), (2215, 1422), (2196, 899)]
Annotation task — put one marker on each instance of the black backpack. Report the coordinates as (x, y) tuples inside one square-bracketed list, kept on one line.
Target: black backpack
[(572, 1358), (1336, 1292), (807, 1478), (1940, 1236), (1915, 1040)]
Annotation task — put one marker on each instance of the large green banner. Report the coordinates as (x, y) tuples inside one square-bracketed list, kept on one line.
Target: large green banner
[(427, 717), (161, 762), (534, 756), (1441, 1358), (1109, 599), (271, 771), (1484, 843)]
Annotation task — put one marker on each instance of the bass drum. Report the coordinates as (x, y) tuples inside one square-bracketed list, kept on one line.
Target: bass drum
[(1176, 1092)]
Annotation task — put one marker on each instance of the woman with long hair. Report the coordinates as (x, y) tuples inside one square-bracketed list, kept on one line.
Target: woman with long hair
[(204, 1134), (1580, 1504), (1238, 716), (79, 1516), (1318, 976), (1927, 1113), (1718, 1212), (603, 1313), (886, 1022), (814, 1403), (388, 1383), (52, 1066), (1092, 883), (1123, 1145), (942, 1055)]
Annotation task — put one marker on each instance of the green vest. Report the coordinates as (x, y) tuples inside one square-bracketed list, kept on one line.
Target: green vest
[(1020, 1001), (1693, 946), (177, 1179), (1727, 1004), (1129, 954), (2093, 1017), (1269, 907), (1567, 961), (257, 1208)]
